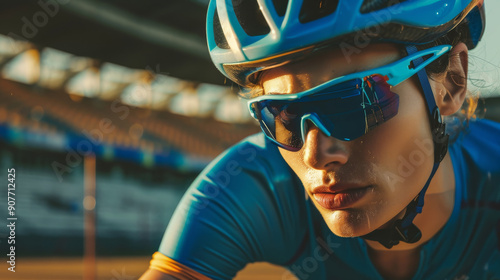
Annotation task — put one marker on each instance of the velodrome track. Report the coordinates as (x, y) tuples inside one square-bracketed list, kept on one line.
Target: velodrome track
[(113, 268)]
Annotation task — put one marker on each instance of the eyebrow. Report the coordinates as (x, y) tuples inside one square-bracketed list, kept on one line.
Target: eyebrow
[(275, 93)]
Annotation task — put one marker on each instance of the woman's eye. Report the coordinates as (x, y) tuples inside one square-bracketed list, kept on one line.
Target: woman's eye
[(288, 113)]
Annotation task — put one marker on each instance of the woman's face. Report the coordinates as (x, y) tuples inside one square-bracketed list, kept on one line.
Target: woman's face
[(359, 185)]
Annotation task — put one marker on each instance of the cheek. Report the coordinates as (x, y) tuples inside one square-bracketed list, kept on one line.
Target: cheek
[(402, 147), (294, 160), (308, 176)]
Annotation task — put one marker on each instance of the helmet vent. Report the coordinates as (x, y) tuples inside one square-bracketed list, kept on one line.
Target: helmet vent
[(375, 5), (316, 9), (219, 37), (280, 6), (250, 17)]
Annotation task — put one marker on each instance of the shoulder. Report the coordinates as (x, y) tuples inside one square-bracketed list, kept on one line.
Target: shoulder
[(252, 167), (251, 171), (253, 177), (475, 155), (254, 153), (479, 141)]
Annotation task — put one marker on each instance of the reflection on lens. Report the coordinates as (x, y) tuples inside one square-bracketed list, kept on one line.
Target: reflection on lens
[(381, 103)]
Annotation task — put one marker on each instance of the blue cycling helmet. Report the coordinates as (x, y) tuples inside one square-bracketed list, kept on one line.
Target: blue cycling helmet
[(247, 36)]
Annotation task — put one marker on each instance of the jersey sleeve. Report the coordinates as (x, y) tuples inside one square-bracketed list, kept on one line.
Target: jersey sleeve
[(171, 267), (247, 206)]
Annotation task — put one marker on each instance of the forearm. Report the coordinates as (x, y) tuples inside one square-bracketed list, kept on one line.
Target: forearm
[(164, 268), (152, 274)]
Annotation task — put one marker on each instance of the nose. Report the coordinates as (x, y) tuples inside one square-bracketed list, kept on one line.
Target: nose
[(323, 152)]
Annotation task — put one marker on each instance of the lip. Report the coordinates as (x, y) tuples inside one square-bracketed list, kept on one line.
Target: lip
[(339, 197)]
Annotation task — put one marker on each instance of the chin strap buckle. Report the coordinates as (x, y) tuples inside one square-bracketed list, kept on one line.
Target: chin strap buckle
[(392, 236), (401, 230), (388, 243), (409, 234)]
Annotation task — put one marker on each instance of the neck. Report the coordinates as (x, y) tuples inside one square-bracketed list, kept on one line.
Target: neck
[(395, 264)]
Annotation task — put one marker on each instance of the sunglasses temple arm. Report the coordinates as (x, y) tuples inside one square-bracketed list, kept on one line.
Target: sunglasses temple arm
[(399, 72)]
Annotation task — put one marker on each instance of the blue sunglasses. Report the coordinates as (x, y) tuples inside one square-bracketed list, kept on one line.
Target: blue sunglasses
[(346, 107)]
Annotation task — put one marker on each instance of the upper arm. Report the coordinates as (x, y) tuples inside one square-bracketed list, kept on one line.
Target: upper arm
[(209, 232), (244, 208)]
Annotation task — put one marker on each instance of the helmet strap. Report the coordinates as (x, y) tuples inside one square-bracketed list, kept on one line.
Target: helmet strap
[(404, 229)]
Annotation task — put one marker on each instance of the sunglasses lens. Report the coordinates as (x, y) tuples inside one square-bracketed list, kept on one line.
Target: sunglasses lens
[(348, 125), (346, 114)]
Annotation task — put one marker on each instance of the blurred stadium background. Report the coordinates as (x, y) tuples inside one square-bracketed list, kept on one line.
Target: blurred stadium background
[(131, 83)]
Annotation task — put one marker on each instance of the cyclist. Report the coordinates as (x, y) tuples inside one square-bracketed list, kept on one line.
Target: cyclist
[(350, 96)]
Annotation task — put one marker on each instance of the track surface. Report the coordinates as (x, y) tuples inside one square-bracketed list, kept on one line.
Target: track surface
[(114, 268)]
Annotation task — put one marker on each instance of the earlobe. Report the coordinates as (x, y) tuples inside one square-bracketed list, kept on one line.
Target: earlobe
[(451, 90)]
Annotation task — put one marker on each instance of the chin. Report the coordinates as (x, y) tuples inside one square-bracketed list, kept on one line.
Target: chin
[(348, 223)]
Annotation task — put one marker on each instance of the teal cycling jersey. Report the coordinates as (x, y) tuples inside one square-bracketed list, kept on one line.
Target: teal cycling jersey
[(248, 206)]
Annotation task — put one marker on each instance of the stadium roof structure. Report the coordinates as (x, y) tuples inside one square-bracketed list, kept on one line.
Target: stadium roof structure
[(135, 34)]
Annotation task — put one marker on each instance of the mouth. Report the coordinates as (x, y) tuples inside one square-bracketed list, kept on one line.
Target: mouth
[(339, 199)]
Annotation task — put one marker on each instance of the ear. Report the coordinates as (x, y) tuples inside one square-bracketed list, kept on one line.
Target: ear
[(450, 87)]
